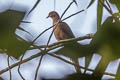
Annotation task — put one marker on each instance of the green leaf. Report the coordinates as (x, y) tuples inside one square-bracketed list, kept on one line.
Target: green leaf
[(9, 43), (106, 43), (34, 6), (106, 40), (91, 2), (99, 14)]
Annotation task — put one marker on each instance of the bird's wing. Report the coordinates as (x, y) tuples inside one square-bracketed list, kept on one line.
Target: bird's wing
[(66, 29)]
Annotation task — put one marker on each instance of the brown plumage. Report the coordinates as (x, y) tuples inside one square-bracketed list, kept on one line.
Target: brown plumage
[(62, 31)]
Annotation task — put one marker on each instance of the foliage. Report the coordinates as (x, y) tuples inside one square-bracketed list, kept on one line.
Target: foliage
[(10, 21), (105, 41)]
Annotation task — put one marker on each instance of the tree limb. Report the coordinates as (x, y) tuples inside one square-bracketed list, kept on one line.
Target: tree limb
[(88, 36), (53, 55)]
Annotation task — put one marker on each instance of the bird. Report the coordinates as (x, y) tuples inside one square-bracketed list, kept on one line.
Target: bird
[(62, 31)]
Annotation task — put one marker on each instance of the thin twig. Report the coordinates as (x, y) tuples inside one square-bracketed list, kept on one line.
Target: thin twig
[(19, 66), (73, 14), (49, 39), (40, 61), (51, 35), (26, 22), (9, 67), (66, 61), (43, 32), (44, 53), (66, 9), (38, 1), (102, 3), (109, 5), (20, 62)]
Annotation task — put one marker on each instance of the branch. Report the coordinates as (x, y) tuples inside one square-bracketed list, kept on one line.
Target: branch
[(88, 36), (109, 5), (18, 63), (9, 67), (73, 14), (66, 9), (41, 53), (40, 61), (19, 66), (28, 59), (37, 55), (64, 60), (34, 7), (34, 56), (102, 3)]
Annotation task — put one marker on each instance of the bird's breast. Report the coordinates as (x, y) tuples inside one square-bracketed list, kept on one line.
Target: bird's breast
[(59, 33)]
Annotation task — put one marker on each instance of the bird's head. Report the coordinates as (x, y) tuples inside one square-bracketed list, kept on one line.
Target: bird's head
[(54, 15)]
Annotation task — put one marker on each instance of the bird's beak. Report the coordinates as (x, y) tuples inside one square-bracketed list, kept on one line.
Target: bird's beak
[(48, 16)]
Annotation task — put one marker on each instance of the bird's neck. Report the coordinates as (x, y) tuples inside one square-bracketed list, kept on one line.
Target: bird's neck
[(55, 20)]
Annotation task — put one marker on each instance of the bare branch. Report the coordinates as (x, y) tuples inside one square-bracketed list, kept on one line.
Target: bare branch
[(37, 55), (73, 14), (60, 43), (26, 22), (19, 68), (42, 52), (20, 62), (102, 3), (38, 67), (8, 60), (66, 9), (38, 1), (49, 38), (92, 1), (108, 5), (66, 61)]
